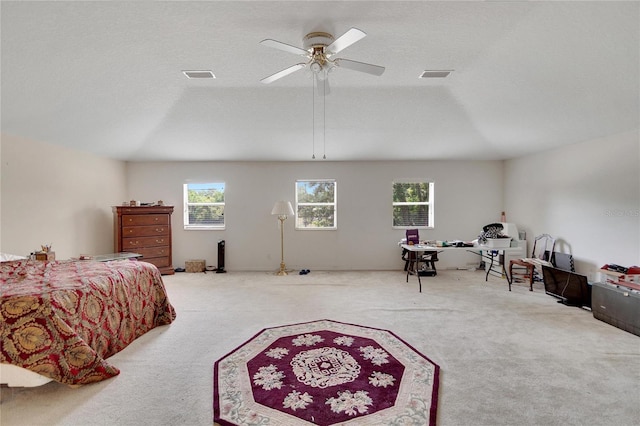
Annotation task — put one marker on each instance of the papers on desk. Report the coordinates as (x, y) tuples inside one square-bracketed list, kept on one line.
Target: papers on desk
[(424, 246), (433, 244)]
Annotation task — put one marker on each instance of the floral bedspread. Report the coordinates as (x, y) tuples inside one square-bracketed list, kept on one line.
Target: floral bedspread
[(62, 319)]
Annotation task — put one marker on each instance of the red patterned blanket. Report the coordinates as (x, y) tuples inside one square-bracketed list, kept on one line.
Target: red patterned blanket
[(62, 319)]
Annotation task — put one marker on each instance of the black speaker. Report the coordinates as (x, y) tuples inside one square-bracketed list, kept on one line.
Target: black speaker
[(220, 269)]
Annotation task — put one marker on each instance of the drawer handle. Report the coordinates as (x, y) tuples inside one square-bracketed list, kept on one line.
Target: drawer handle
[(160, 241), (157, 218), (133, 243), (159, 229)]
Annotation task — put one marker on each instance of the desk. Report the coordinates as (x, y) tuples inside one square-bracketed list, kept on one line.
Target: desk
[(487, 253), (419, 250)]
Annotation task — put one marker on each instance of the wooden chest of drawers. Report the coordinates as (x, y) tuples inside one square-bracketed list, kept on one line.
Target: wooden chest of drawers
[(145, 230)]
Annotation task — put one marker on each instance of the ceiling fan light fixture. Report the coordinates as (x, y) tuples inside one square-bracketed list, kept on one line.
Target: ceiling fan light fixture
[(435, 73), (198, 74), (315, 66)]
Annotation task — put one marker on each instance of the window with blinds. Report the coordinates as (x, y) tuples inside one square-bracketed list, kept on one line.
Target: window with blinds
[(204, 205), (412, 204), (316, 204)]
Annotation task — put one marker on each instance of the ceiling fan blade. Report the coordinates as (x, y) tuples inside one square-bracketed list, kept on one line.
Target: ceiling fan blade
[(345, 40), (360, 66), (284, 46), (282, 73)]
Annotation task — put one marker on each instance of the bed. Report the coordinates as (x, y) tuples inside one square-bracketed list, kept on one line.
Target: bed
[(62, 319)]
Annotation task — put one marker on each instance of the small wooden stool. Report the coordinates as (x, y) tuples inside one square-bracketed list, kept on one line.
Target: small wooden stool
[(524, 264)]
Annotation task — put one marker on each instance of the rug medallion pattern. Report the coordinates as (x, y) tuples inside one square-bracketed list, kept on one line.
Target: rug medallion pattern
[(325, 373)]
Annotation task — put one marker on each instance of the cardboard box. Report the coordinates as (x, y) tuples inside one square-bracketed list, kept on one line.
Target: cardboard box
[(46, 256), (194, 265)]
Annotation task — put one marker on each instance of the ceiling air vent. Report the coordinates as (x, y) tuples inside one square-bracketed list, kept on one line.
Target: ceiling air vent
[(199, 74), (435, 73)]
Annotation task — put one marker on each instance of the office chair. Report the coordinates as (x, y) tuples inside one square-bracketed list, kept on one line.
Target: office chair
[(542, 254)]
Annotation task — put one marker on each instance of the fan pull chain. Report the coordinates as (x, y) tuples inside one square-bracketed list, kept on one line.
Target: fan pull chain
[(324, 119), (313, 116)]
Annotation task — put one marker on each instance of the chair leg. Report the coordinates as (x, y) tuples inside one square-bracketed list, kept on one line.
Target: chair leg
[(530, 270), (510, 274)]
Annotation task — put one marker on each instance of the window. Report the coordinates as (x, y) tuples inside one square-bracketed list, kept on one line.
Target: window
[(413, 204), (316, 204), (204, 205)]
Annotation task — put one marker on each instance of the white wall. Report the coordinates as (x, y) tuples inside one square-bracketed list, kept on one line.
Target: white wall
[(468, 195), (54, 195), (587, 195)]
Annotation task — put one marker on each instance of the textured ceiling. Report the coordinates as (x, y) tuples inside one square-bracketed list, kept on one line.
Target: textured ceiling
[(106, 77)]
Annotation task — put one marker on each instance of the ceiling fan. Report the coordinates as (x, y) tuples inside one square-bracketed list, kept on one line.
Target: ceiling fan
[(319, 48)]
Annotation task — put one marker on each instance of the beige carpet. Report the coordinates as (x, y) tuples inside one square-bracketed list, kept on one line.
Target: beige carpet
[(506, 358)]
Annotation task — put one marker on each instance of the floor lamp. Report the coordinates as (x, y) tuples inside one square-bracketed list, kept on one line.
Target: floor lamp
[(282, 209)]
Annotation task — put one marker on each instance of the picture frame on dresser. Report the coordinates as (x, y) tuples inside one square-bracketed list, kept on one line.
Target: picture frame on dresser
[(145, 230)]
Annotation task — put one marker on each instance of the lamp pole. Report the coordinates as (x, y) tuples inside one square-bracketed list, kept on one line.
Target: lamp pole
[(282, 209), (282, 270)]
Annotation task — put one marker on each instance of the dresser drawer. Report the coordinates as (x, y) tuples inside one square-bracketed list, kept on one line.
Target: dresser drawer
[(160, 262), (144, 219), (152, 252), (128, 244), (144, 231)]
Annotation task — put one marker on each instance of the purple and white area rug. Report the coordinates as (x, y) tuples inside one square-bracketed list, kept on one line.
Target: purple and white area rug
[(325, 373)]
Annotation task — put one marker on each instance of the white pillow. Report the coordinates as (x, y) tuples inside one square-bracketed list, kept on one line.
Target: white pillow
[(5, 257)]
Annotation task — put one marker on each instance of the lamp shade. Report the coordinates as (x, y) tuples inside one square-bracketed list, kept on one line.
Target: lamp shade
[(282, 208)]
